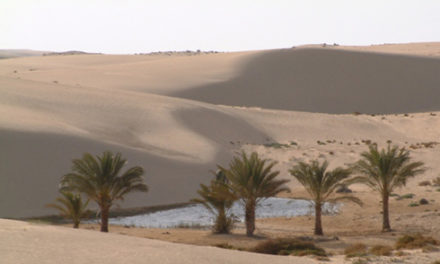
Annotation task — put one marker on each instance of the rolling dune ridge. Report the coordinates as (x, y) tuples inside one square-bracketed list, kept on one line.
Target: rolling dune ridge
[(179, 116)]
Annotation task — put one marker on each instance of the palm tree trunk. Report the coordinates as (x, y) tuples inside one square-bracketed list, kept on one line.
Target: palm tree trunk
[(386, 218), (104, 219), (318, 224), (221, 222), (250, 217), (76, 224)]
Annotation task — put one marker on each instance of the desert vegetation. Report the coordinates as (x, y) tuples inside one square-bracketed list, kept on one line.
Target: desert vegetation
[(413, 241), (321, 183), (288, 246), (385, 170), (218, 199), (251, 179), (101, 179), (71, 206)]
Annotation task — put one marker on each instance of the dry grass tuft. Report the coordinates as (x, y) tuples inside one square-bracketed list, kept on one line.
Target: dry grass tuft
[(381, 250), (415, 241), (288, 246), (229, 246), (356, 250)]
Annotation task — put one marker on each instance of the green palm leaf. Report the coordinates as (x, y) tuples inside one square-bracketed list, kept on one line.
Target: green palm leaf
[(251, 179), (71, 206), (101, 179), (385, 170), (321, 184)]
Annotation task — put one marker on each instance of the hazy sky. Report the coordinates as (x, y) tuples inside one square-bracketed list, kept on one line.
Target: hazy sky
[(129, 26)]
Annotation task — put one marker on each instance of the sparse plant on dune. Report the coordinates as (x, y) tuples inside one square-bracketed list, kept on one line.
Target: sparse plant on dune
[(251, 179), (415, 241), (356, 250), (381, 250), (101, 180), (218, 199), (71, 206), (288, 246), (321, 184), (385, 170)]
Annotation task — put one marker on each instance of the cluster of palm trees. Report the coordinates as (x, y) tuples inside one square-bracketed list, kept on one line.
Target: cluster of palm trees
[(101, 180), (250, 179)]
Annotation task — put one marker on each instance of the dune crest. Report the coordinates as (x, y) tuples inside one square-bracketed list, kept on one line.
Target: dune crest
[(55, 108)]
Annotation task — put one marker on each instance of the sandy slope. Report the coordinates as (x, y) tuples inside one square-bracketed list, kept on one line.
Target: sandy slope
[(22, 243), (53, 109)]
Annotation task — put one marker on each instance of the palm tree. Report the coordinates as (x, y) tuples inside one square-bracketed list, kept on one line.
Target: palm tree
[(251, 179), (321, 183), (71, 206), (218, 199), (101, 179), (385, 170)]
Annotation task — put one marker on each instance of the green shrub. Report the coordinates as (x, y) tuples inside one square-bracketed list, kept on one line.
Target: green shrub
[(356, 250), (276, 145), (423, 201), (415, 241), (381, 250), (406, 196), (288, 246), (413, 204)]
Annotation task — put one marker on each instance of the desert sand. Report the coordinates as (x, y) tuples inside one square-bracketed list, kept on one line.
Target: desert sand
[(178, 116), (49, 244)]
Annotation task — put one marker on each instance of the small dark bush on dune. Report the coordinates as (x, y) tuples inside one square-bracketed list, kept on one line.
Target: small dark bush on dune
[(425, 183), (288, 246), (415, 241), (356, 250), (423, 201)]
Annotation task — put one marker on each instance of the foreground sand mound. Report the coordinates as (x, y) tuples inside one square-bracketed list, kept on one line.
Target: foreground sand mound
[(22, 243)]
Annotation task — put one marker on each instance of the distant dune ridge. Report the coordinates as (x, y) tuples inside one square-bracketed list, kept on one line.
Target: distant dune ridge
[(178, 116), (329, 81), (13, 53)]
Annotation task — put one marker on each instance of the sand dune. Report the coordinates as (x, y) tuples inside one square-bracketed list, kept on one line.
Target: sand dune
[(22, 243), (372, 79), (53, 109), (329, 81)]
